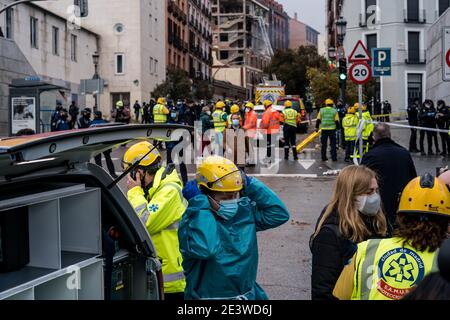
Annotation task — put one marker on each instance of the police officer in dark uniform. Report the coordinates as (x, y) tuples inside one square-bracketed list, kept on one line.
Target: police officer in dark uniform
[(413, 120), (443, 123), (427, 119), (85, 120)]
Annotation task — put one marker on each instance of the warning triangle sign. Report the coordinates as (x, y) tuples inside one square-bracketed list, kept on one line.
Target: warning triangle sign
[(360, 53)]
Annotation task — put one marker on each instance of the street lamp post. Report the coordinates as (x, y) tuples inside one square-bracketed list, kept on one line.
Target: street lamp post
[(95, 59), (341, 29)]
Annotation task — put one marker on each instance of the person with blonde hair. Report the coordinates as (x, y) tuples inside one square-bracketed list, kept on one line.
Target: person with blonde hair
[(353, 215)]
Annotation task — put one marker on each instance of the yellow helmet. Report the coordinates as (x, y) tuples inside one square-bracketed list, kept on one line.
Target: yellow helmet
[(161, 101), (351, 110), (220, 175), (329, 102), (235, 108), (137, 152), (119, 104), (426, 194), (250, 105), (220, 105), (288, 104), (267, 103)]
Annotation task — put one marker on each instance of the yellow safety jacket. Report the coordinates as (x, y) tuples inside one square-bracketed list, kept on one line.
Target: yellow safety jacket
[(160, 113), (161, 214), (350, 125), (290, 117), (218, 120), (368, 125), (387, 269)]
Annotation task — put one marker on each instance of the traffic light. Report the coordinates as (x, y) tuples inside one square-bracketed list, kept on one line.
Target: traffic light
[(343, 69)]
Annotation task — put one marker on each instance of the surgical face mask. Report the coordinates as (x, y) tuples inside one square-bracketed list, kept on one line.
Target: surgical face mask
[(208, 113), (235, 123), (369, 205), (173, 115), (229, 208), (247, 110)]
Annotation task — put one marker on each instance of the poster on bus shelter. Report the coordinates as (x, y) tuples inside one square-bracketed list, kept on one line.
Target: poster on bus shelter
[(23, 114)]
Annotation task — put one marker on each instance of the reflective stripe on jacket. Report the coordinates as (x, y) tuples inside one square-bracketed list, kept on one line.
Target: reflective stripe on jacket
[(291, 117), (160, 113), (161, 215), (270, 122), (387, 269), (218, 120), (328, 118), (350, 125)]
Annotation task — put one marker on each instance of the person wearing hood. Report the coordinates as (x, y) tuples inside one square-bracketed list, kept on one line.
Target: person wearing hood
[(353, 215), (84, 121), (218, 232)]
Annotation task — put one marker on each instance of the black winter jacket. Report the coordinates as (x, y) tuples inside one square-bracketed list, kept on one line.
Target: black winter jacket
[(330, 254)]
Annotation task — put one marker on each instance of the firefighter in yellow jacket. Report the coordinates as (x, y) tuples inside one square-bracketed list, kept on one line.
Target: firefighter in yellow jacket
[(160, 111), (388, 269), (156, 195), (368, 127)]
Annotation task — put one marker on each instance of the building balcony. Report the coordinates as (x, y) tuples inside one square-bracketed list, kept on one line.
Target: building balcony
[(416, 57), (419, 18)]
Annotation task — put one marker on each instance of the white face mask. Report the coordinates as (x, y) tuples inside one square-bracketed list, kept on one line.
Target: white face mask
[(369, 205), (208, 113), (235, 123)]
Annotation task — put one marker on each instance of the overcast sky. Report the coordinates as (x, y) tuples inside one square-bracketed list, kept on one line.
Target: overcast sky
[(311, 12)]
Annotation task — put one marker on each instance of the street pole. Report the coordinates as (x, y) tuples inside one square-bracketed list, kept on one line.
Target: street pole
[(360, 100)]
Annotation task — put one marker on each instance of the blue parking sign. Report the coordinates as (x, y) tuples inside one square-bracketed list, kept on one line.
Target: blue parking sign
[(381, 62)]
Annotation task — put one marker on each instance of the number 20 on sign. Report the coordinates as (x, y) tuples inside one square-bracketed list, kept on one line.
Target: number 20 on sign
[(360, 73)]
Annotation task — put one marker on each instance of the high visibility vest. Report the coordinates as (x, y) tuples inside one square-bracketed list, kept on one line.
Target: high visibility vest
[(158, 114), (350, 125), (161, 214), (290, 117), (328, 118), (251, 122), (270, 123), (219, 124), (387, 269), (368, 125)]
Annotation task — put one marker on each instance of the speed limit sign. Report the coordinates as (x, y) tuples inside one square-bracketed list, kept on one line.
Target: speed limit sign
[(360, 73)]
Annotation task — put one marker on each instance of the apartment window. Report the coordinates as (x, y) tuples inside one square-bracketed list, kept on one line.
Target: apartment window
[(55, 41), (371, 41), (414, 47), (73, 47), (83, 5), (119, 63), (370, 3), (443, 6), (223, 37), (34, 32), (9, 23), (413, 10), (415, 87)]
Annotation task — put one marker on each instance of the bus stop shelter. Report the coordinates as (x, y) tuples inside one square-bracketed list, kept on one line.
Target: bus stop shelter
[(26, 110)]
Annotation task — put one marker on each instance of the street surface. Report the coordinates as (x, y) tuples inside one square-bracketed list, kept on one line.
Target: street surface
[(285, 258)]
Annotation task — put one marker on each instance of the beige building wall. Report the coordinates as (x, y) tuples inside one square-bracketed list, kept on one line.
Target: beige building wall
[(141, 42), (297, 33)]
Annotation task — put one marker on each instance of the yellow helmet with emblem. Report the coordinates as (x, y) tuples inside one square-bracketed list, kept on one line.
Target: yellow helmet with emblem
[(219, 175), (161, 100), (140, 152), (329, 102), (288, 104), (220, 105), (235, 108), (267, 103), (119, 104), (249, 105), (426, 194)]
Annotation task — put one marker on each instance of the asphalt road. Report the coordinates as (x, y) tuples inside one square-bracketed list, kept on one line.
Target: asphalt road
[(285, 258)]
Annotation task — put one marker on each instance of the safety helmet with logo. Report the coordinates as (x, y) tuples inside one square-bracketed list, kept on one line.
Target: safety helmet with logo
[(329, 102), (235, 108), (149, 162), (267, 103), (249, 105), (161, 100), (220, 105), (425, 195), (119, 104), (219, 175), (288, 104)]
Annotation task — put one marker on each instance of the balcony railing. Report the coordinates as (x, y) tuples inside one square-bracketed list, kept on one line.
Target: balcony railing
[(416, 57)]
